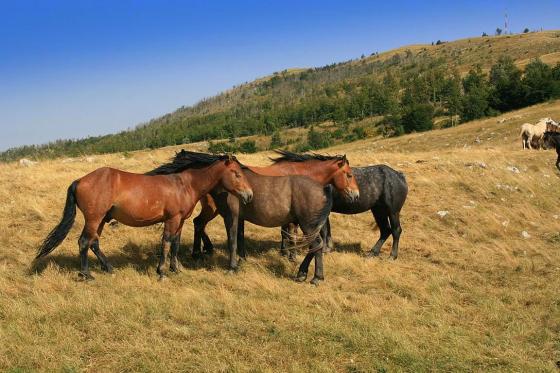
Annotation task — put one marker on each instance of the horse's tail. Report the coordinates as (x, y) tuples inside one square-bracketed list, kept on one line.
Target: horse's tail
[(59, 233)]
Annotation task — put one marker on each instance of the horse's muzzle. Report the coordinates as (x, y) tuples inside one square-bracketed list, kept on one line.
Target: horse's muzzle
[(246, 196), (352, 194)]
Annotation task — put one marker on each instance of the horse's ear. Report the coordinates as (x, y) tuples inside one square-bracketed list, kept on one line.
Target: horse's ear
[(229, 159), (343, 161)]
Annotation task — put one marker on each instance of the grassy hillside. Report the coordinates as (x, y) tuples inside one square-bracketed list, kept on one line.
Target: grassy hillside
[(391, 84), (468, 292)]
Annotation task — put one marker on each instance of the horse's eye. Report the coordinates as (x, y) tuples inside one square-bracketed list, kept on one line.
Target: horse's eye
[(349, 176)]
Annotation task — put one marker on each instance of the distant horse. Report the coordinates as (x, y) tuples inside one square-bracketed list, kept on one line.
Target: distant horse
[(534, 133), (141, 200), (277, 201), (552, 140), (383, 191), (324, 169)]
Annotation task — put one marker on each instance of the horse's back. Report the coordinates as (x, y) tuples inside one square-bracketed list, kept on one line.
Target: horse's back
[(380, 185), (271, 203)]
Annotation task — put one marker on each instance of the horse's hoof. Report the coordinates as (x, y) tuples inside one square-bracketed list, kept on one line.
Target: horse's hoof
[(292, 258), (209, 252), (315, 280), (301, 277), (85, 276), (108, 268), (196, 256), (162, 277), (372, 254), (283, 253), (392, 258)]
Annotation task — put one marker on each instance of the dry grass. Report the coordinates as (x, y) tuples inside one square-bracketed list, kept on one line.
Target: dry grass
[(468, 292)]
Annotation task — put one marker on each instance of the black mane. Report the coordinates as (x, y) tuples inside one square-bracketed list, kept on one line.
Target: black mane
[(286, 156), (187, 160)]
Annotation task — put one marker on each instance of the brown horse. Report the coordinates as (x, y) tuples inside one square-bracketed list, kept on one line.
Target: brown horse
[(277, 201), (141, 200), (334, 170)]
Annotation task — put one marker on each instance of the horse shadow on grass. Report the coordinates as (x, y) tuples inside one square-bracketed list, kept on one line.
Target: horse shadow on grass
[(351, 247), (140, 257), (144, 258)]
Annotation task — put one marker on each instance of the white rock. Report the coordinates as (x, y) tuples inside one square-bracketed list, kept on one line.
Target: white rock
[(525, 235), (505, 223), (90, 159), (513, 169), (556, 216), (26, 162), (442, 213)]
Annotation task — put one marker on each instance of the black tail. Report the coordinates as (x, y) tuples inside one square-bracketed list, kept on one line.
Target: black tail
[(59, 233), (323, 215)]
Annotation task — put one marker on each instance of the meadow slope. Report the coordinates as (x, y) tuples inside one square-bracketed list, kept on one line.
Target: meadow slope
[(468, 292)]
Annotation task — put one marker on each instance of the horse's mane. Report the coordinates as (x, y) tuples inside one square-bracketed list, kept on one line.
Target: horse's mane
[(185, 159), (287, 156)]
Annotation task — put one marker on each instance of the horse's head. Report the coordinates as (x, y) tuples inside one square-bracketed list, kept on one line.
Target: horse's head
[(552, 126), (234, 180), (344, 180)]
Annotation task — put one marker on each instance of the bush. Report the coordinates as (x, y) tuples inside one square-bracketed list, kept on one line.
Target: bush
[(248, 146), (418, 118), (359, 132), (276, 140), (318, 140)]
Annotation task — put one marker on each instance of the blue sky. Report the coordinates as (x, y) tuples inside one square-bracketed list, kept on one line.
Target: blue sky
[(70, 69)]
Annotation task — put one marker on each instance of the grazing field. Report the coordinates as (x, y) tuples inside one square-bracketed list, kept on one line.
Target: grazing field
[(470, 290)]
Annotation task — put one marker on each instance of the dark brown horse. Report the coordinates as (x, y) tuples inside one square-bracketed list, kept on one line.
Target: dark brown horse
[(277, 201), (141, 200), (383, 191), (334, 170)]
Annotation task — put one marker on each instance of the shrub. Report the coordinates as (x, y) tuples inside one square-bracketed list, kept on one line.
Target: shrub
[(318, 140), (248, 146), (418, 118)]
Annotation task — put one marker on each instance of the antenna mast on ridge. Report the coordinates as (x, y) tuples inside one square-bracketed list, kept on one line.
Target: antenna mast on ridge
[(506, 23)]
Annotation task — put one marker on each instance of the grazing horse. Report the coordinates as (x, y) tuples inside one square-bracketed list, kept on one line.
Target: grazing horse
[(277, 201), (142, 200), (334, 170), (383, 191), (552, 140)]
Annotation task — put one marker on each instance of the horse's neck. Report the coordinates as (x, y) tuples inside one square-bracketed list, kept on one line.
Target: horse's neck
[(202, 180)]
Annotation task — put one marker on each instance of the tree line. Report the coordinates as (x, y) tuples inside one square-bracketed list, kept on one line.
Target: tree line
[(407, 90)]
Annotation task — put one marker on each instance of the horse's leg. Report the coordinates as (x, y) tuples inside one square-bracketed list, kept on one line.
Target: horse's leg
[(304, 267), (317, 247), (382, 221), (170, 229), (241, 239), (396, 231), (105, 266), (558, 159), (284, 242), (175, 243), (292, 228), (87, 238), (231, 224), (206, 215), (328, 238)]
